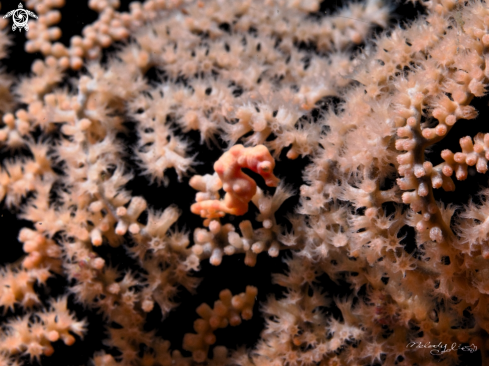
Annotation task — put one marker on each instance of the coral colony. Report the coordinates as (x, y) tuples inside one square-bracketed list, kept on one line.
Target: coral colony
[(235, 74)]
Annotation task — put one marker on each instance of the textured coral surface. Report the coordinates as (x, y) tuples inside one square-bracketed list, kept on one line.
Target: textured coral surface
[(244, 183)]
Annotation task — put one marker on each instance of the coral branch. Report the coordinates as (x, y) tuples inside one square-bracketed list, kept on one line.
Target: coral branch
[(228, 310)]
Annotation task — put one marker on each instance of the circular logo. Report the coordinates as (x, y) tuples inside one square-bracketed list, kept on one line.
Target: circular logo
[(20, 17)]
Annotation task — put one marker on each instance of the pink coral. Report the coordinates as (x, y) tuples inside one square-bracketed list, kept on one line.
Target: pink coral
[(361, 118)]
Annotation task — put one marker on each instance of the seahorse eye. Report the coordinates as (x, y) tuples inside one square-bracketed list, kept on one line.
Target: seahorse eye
[(265, 166)]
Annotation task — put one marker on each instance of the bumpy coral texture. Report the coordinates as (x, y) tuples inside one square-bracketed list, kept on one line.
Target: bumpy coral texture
[(238, 70)]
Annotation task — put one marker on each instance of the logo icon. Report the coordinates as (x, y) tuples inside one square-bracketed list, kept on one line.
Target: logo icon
[(20, 17)]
